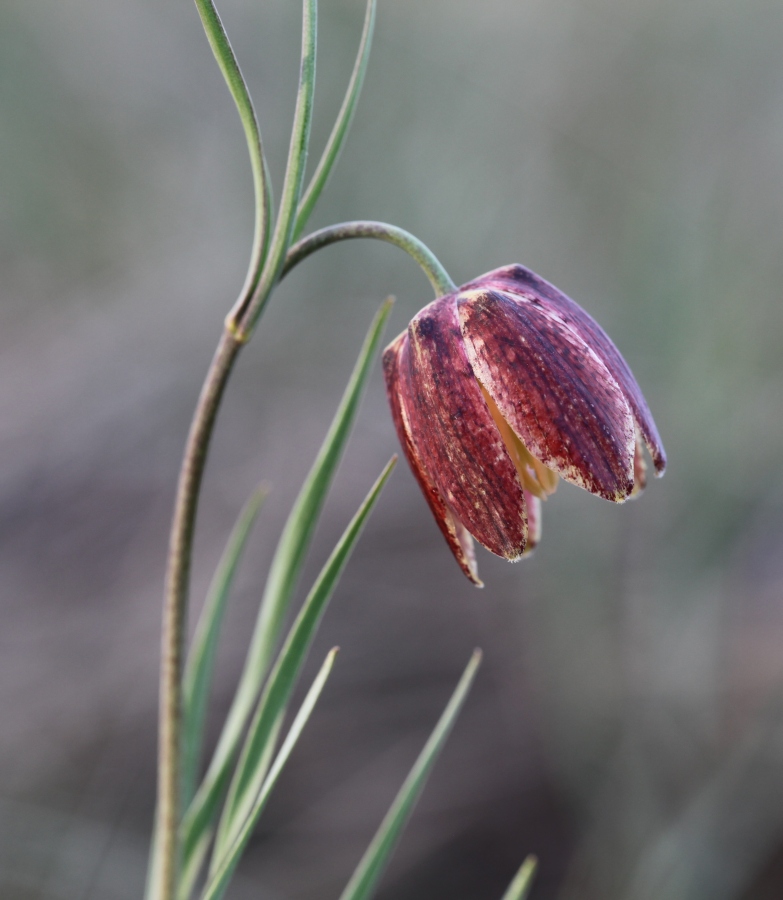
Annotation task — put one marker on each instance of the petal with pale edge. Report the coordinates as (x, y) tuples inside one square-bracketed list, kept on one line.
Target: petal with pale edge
[(522, 281), (454, 435), (457, 536), (551, 388)]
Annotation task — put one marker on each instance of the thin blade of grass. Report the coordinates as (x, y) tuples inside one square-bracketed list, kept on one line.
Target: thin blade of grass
[(251, 770), (197, 679), (370, 868), (193, 860), (248, 308), (286, 566), (224, 867), (300, 135), (153, 864), (227, 61), (523, 880), (341, 126)]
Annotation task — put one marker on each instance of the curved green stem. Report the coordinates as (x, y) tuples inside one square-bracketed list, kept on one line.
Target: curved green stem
[(381, 231)]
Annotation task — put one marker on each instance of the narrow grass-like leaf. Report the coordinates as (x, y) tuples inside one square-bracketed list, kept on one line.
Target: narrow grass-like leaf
[(246, 311), (153, 864), (523, 880), (227, 61), (341, 127), (251, 769), (223, 869), (193, 859), (300, 133), (197, 679), (369, 870), (286, 566)]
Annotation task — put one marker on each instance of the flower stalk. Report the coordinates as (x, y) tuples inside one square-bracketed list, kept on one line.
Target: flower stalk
[(381, 231), (165, 851)]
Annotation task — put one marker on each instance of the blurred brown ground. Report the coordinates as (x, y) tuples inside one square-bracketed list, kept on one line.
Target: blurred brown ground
[(627, 724)]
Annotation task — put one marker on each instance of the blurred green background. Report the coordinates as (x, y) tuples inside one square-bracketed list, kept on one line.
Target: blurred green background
[(627, 725)]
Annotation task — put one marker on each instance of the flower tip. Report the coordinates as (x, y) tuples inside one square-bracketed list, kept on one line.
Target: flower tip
[(464, 552), (466, 560)]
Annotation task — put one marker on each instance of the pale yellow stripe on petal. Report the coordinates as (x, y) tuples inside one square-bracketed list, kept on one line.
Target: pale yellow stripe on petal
[(536, 478)]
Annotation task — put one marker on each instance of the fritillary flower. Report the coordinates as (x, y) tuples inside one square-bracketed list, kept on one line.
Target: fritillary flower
[(500, 389)]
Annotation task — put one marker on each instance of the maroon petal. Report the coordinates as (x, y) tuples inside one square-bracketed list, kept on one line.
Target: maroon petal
[(551, 388), (457, 536), (454, 434), (523, 282)]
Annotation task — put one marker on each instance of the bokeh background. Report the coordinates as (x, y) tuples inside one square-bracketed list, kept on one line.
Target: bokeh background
[(627, 724)]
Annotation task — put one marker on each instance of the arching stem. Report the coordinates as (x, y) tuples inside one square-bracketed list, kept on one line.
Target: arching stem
[(380, 231)]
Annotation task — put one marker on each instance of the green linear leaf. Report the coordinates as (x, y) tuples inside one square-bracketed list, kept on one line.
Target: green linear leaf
[(251, 769), (153, 863), (227, 61), (341, 127), (190, 870), (224, 868), (246, 311), (193, 860), (365, 878), (286, 566), (300, 133), (197, 679), (523, 880)]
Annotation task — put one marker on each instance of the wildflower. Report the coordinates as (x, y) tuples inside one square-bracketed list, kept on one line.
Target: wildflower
[(500, 389)]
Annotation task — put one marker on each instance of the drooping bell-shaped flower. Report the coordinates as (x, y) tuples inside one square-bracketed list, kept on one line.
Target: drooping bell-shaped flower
[(499, 389)]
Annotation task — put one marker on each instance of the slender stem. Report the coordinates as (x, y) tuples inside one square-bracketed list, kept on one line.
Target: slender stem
[(437, 275), (175, 610)]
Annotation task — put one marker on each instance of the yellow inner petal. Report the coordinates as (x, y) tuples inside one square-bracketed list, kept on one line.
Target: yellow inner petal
[(536, 478), (639, 468)]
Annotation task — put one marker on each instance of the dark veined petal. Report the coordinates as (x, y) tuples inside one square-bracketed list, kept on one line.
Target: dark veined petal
[(552, 389), (457, 536), (522, 281), (454, 435)]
